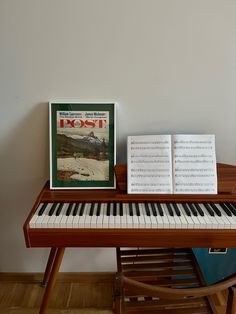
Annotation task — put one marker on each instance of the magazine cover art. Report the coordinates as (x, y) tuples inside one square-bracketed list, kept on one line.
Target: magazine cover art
[(82, 145)]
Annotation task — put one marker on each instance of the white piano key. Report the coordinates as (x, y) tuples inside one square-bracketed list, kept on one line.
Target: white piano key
[(190, 224), (123, 218), (76, 218), (202, 222), (101, 216), (117, 218), (228, 220), (196, 222), (148, 220), (213, 222), (86, 220), (70, 218), (183, 219), (58, 218), (93, 221), (199, 221), (166, 223), (34, 218), (105, 222), (136, 223), (39, 220), (232, 220), (52, 218), (129, 219), (153, 221), (61, 219), (206, 221), (220, 221), (111, 217), (51, 221), (169, 217), (178, 223), (158, 221), (142, 223)]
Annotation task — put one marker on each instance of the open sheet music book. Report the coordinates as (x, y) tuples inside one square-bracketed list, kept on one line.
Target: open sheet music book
[(166, 164)]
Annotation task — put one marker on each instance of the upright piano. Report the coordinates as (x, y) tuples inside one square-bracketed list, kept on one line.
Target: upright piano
[(112, 218)]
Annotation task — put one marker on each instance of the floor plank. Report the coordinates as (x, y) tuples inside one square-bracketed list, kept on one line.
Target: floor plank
[(67, 298)]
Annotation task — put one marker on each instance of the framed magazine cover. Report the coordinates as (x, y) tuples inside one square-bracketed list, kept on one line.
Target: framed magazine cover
[(82, 145)]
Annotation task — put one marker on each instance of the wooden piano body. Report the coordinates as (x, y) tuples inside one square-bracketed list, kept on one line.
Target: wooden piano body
[(114, 237)]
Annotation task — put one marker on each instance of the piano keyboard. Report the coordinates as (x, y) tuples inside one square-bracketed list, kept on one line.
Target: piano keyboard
[(135, 215)]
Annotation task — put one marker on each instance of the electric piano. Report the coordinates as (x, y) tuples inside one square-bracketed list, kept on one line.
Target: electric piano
[(112, 218)]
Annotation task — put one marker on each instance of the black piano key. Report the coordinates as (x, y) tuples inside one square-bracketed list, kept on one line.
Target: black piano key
[(81, 211), (160, 210), (137, 209), (52, 209), (131, 212), (208, 208), (186, 209), (216, 209), (75, 210), (108, 211), (232, 207), (98, 212), (176, 208), (91, 210), (147, 210), (198, 208), (115, 209), (226, 209), (192, 209), (169, 208), (121, 209), (42, 209), (69, 209), (154, 211), (59, 208)]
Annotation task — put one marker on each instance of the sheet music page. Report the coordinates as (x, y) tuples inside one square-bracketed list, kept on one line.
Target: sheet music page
[(194, 164), (149, 164)]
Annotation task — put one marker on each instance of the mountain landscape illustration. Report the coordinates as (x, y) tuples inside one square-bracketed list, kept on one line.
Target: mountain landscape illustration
[(87, 146)]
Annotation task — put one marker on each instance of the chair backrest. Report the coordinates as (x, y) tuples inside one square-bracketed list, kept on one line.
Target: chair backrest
[(173, 293), (165, 281)]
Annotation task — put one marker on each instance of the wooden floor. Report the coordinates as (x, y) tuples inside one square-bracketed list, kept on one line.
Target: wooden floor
[(74, 293), (55, 311)]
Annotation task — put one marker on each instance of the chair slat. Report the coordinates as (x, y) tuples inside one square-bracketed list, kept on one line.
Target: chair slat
[(163, 257), (163, 280), (173, 264)]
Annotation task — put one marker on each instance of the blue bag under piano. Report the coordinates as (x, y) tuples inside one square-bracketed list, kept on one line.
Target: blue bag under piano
[(216, 266)]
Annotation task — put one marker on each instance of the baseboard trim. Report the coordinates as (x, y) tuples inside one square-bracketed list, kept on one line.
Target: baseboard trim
[(62, 277)]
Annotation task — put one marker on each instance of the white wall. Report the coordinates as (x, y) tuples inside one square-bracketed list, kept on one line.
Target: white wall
[(170, 64)]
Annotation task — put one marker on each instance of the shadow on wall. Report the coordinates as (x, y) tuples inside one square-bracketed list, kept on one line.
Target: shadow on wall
[(24, 161)]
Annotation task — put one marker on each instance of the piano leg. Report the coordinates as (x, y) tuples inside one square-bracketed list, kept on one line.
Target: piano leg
[(51, 279), (49, 266)]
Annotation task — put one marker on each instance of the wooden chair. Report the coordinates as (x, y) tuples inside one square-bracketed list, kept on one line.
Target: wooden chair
[(165, 281)]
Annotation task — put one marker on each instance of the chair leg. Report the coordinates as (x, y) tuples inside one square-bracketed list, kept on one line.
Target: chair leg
[(231, 303)]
